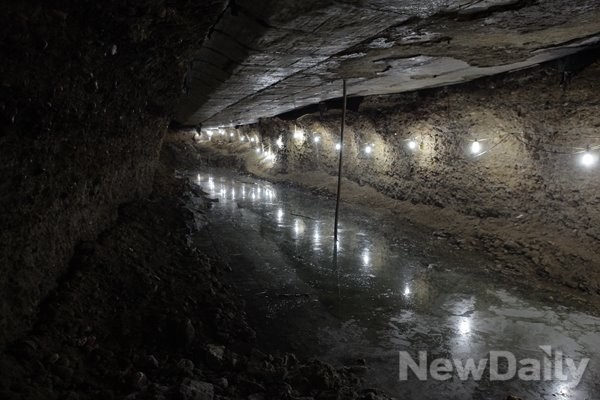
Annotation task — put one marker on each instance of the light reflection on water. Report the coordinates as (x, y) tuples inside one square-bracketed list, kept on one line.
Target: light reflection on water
[(464, 325), (316, 238), (366, 258), (384, 285), (299, 228)]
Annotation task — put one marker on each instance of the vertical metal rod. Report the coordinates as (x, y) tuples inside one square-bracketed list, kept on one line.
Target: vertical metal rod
[(339, 185)]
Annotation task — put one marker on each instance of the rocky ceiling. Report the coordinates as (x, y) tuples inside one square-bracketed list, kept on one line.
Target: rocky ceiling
[(263, 58)]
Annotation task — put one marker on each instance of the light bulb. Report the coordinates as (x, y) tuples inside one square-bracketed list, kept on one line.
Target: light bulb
[(242, 138), (280, 142), (412, 145), (298, 134), (252, 140), (231, 135), (257, 150), (588, 159), (476, 147), (368, 149), (317, 139), (338, 146)]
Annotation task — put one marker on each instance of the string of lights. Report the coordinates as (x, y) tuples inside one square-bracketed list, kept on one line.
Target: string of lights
[(479, 153), (546, 150), (588, 156)]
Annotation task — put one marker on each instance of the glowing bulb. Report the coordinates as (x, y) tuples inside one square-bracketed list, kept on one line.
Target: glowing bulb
[(338, 146), (279, 142), (252, 140), (588, 159), (317, 139), (298, 134), (242, 138), (412, 145), (368, 149), (258, 150), (476, 147), (406, 291), (231, 135)]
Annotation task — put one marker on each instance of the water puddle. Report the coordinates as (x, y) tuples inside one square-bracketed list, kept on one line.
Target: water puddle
[(392, 287)]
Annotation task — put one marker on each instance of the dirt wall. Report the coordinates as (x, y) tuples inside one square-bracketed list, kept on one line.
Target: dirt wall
[(84, 104), (530, 128)]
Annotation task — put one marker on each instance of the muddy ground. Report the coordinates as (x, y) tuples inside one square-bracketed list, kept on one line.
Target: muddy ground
[(142, 315)]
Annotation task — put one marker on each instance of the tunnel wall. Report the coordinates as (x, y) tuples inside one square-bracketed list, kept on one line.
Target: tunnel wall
[(85, 102), (527, 195), (523, 121)]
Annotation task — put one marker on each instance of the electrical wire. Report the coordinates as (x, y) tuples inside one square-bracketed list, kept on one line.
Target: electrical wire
[(579, 150), (502, 140)]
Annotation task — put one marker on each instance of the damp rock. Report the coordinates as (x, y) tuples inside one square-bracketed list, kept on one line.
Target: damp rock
[(223, 382), (196, 390), (138, 380), (151, 362), (186, 367), (215, 354), (188, 333)]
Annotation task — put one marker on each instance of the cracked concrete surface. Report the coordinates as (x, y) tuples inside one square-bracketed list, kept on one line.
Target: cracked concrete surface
[(264, 59)]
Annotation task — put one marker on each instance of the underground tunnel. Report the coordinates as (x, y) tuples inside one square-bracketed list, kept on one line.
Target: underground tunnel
[(300, 200)]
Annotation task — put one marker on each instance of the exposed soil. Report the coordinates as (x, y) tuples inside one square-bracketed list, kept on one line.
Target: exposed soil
[(144, 315), (85, 99)]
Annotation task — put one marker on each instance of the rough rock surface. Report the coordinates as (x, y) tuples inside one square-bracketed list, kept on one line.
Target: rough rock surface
[(266, 58), (84, 103)]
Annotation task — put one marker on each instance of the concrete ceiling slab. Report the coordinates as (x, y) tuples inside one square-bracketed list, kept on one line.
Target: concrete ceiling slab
[(266, 58)]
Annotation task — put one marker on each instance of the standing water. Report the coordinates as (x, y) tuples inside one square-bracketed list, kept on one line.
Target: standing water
[(392, 287)]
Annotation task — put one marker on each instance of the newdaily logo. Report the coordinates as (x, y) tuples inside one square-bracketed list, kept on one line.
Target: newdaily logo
[(500, 366)]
